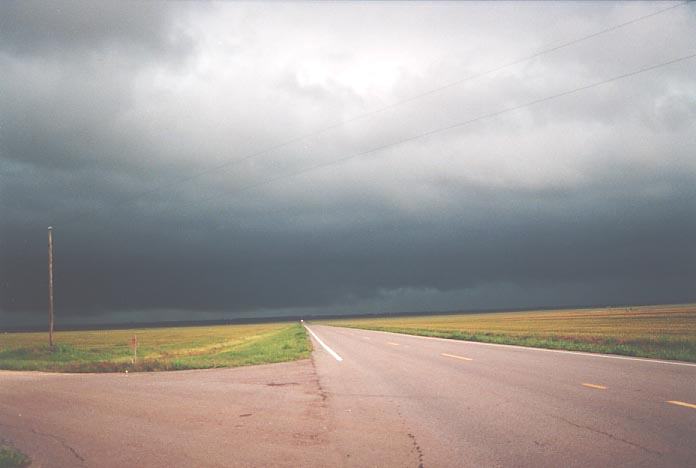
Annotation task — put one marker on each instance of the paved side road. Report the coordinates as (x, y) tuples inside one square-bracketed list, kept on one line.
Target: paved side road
[(270, 415), (265, 416), (471, 404)]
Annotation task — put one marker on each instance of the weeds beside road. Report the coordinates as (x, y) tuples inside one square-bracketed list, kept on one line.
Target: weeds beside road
[(12, 458)]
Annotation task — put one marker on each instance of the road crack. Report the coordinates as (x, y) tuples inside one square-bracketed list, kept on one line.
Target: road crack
[(418, 450), (60, 440), (416, 446), (608, 434), (317, 381)]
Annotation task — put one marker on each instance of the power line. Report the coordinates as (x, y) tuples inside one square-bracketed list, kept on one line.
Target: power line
[(443, 129), (373, 112)]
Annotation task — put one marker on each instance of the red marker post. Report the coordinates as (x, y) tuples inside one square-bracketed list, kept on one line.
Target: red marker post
[(134, 347)]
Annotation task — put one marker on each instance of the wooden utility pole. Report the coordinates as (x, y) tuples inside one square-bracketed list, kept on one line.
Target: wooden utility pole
[(50, 286)]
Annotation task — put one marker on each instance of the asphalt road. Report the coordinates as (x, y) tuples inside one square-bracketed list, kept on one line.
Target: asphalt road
[(269, 415), (391, 400), (470, 404)]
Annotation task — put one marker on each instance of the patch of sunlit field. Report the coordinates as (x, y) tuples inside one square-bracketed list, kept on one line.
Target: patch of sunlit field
[(664, 332), (158, 348)]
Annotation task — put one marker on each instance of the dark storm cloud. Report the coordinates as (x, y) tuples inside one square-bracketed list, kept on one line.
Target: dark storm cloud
[(40, 28), (586, 200)]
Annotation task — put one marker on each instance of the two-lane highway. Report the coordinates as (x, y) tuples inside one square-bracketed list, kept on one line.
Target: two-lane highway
[(453, 403)]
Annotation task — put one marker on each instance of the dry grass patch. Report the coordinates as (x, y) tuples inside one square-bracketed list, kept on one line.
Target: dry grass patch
[(158, 348)]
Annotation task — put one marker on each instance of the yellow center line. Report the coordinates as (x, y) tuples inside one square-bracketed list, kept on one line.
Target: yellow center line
[(392, 343), (681, 403), (457, 357), (591, 385)]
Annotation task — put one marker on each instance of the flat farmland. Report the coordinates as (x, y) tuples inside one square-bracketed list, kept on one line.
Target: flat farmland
[(172, 348), (662, 332)]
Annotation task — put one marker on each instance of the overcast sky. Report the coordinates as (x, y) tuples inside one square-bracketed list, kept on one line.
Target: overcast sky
[(111, 114)]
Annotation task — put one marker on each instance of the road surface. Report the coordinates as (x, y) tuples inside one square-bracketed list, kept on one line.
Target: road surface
[(472, 404), (366, 399)]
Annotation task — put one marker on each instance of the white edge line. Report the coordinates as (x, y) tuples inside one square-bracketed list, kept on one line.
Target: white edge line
[(561, 351), (324, 345)]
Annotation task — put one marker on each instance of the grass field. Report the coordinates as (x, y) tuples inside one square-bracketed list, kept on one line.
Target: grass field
[(664, 332), (158, 348)]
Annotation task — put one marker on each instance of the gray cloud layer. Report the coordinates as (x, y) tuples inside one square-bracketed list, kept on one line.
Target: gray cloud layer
[(586, 199)]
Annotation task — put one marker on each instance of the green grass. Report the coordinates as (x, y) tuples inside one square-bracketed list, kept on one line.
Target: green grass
[(158, 348), (662, 332), (12, 458)]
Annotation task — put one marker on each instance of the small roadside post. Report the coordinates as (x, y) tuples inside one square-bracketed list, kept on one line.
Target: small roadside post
[(134, 346)]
